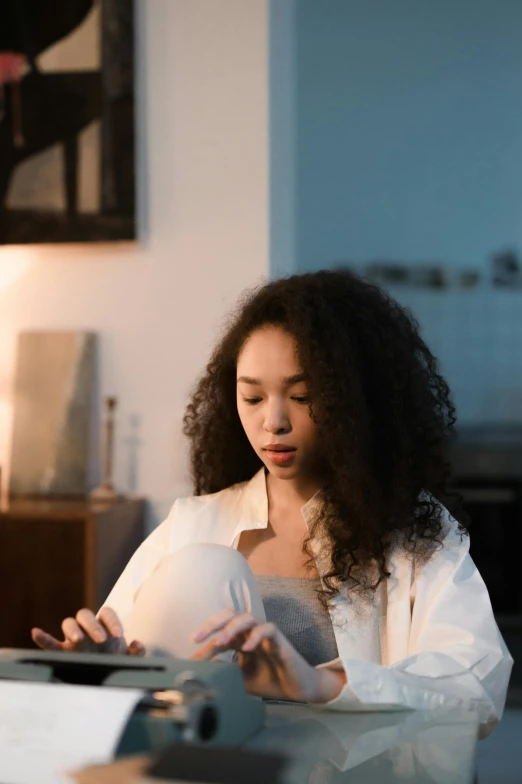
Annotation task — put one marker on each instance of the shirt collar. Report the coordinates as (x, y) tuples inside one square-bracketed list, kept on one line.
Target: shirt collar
[(254, 505)]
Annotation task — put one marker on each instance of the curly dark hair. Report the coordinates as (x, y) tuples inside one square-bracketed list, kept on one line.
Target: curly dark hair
[(382, 408)]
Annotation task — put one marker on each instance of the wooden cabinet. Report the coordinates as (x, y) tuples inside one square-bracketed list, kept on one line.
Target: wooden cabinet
[(59, 556)]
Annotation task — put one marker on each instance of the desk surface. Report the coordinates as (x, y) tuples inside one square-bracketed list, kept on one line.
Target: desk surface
[(323, 747), (326, 747)]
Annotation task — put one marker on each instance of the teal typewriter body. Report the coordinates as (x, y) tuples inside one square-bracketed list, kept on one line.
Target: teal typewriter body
[(185, 701)]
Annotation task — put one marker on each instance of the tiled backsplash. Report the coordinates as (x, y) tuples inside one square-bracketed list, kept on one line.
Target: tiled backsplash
[(477, 337)]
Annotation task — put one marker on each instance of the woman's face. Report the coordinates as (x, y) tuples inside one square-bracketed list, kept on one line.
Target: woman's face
[(273, 404)]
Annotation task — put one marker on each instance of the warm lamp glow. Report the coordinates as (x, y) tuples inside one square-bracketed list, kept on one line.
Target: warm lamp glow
[(14, 263)]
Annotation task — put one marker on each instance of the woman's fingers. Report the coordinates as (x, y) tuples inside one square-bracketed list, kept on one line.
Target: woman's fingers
[(87, 620), (209, 650), (214, 624), (235, 628), (136, 648), (86, 632), (238, 625), (265, 631), (110, 620), (228, 623), (45, 641), (72, 631)]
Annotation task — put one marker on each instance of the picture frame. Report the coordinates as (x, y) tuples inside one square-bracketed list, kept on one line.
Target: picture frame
[(67, 126)]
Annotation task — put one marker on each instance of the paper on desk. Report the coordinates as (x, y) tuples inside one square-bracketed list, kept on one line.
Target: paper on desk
[(48, 729)]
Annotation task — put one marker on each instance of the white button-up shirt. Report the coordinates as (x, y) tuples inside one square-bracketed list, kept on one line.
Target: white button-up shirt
[(429, 638)]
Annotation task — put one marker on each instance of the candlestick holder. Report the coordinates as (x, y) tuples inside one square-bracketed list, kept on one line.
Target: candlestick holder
[(106, 492)]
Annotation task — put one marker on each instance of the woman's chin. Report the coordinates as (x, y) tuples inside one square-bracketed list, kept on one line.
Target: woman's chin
[(282, 471)]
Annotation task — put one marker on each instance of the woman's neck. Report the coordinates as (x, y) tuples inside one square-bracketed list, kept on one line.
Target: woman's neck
[(290, 494)]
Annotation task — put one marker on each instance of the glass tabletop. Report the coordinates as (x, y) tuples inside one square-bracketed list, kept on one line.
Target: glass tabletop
[(326, 747)]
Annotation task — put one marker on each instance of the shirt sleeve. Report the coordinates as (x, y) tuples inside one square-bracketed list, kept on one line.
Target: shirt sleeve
[(457, 656), (139, 568)]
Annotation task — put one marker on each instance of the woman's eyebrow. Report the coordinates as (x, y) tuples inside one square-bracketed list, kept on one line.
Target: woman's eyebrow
[(289, 382)]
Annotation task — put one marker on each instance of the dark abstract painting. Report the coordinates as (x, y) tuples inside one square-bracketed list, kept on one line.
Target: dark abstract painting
[(66, 121)]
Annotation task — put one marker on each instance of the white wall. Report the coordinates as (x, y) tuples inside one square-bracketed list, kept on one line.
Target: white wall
[(156, 304)]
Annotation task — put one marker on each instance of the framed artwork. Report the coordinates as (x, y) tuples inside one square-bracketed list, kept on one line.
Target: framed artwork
[(67, 160)]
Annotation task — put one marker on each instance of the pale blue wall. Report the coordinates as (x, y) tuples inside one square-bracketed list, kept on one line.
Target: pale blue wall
[(408, 147)]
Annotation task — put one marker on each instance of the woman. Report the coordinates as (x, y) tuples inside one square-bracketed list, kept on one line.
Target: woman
[(316, 552)]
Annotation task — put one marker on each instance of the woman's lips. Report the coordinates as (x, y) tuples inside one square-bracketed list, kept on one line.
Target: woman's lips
[(280, 457)]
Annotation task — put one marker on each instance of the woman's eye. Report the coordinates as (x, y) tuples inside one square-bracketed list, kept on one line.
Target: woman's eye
[(253, 400)]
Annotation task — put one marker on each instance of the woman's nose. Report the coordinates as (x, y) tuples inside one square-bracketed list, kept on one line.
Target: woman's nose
[(276, 417)]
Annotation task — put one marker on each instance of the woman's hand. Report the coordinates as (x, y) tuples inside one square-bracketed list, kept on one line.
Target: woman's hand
[(87, 634), (271, 666)]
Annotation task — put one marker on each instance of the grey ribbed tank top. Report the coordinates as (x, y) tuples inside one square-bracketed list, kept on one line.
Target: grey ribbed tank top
[(292, 604)]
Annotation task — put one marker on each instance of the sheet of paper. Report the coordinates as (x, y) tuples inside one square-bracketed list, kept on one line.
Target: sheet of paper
[(49, 729)]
